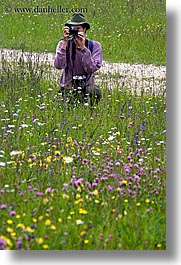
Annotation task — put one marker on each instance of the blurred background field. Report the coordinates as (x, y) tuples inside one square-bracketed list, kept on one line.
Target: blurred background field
[(131, 31)]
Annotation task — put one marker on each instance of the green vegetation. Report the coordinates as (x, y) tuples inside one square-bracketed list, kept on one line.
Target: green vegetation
[(81, 178), (129, 30)]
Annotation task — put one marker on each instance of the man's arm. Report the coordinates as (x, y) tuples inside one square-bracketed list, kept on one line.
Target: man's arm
[(92, 61), (60, 58)]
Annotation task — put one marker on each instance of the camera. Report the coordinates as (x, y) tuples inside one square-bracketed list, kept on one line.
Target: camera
[(73, 31)]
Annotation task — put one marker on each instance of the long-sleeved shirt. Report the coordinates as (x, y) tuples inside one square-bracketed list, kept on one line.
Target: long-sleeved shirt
[(85, 63)]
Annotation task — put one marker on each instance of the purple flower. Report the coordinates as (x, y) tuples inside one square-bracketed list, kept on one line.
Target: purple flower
[(3, 206), (101, 236), (48, 190), (149, 210), (109, 187), (117, 163), (19, 244), (110, 237), (12, 213), (85, 161), (2, 244), (94, 184), (39, 193), (42, 107)]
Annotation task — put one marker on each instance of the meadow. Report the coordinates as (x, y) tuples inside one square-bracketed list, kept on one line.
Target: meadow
[(113, 24), (81, 178)]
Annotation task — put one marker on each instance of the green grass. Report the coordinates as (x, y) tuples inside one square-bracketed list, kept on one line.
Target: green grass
[(82, 179), (129, 31)]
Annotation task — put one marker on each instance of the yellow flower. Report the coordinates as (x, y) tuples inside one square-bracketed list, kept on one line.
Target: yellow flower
[(45, 246), (45, 200), (77, 196), (40, 217), (34, 220), (60, 220), (82, 211), (57, 152), (9, 221), (77, 201), (29, 229), (96, 201), (147, 200), (95, 192), (18, 216), (53, 227), (69, 139), (9, 229), (65, 196), (21, 226), (86, 241), (126, 200), (159, 245), (82, 233), (79, 188), (124, 181), (7, 240), (48, 222), (48, 159), (138, 204), (120, 216), (13, 234), (40, 240)]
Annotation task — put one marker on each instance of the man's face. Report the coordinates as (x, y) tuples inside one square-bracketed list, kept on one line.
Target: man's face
[(80, 28)]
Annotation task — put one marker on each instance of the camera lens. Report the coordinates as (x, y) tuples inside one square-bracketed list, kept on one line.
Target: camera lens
[(73, 31)]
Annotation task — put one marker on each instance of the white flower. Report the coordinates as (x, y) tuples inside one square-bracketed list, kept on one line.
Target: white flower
[(79, 222), (68, 159), (2, 164), (111, 138), (15, 152), (24, 125), (95, 153)]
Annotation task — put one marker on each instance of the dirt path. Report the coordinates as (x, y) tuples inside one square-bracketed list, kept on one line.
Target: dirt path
[(137, 77)]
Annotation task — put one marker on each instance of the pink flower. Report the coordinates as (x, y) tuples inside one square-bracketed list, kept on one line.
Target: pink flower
[(3, 206)]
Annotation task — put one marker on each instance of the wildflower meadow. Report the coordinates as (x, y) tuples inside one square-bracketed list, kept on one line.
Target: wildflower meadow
[(81, 178)]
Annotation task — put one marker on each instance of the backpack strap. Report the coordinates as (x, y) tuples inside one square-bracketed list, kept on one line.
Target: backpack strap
[(68, 44), (90, 45)]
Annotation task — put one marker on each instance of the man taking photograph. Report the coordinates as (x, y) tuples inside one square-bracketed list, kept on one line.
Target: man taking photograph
[(79, 58)]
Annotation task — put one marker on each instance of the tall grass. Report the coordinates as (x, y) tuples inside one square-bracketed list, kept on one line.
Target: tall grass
[(78, 178), (129, 30)]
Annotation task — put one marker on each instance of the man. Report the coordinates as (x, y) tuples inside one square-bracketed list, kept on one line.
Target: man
[(78, 61)]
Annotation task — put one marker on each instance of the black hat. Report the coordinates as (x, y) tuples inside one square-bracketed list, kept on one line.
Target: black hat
[(78, 19)]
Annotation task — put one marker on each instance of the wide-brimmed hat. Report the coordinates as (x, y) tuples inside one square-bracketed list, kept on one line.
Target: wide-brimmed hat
[(78, 19)]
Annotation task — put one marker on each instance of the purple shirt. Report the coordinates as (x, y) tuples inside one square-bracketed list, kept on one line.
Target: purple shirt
[(86, 63)]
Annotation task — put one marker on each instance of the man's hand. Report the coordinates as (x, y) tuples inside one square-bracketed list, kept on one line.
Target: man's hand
[(66, 34), (80, 40)]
